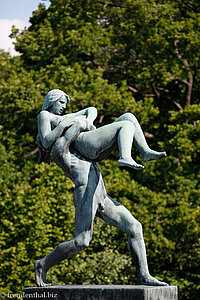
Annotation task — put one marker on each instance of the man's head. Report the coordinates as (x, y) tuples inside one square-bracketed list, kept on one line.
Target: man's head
[(55, 101)]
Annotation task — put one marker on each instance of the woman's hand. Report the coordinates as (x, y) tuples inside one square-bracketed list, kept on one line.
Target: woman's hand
[(89, 125)]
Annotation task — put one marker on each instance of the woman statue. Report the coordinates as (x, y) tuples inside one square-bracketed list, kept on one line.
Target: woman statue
[(75, 145)]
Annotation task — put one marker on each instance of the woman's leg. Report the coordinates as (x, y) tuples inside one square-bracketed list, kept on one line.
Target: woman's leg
[(93, 143), (73, 132), (117, 215), (139, 139)]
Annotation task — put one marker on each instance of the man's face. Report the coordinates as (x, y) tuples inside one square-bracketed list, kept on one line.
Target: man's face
[(59, 106)]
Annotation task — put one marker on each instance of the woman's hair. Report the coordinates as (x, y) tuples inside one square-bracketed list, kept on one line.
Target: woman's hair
[(52, 96)]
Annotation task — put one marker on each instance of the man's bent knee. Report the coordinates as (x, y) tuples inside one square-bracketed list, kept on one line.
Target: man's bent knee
[(82, 241), (134, 229)]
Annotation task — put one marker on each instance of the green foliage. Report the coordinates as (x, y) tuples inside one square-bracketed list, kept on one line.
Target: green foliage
[(119, 56)]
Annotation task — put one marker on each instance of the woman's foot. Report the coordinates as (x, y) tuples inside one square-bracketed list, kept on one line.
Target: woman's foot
[(40, 274), (153, 155), (130, 163), (150, 280)]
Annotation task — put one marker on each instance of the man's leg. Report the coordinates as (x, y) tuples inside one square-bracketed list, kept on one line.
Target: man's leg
[(117, 215), (84, 216)]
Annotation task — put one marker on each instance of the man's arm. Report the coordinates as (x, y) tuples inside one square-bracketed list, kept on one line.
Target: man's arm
[(48, 136), (90, 113)]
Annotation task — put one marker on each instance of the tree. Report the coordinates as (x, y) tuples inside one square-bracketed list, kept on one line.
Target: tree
[(138, 56)]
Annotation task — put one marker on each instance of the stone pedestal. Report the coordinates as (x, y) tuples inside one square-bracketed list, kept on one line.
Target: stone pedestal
[(101, 292)]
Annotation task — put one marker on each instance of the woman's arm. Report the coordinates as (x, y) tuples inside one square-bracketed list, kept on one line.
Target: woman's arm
[(48, 136)]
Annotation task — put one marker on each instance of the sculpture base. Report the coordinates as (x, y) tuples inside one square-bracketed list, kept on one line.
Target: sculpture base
[(101, 292)]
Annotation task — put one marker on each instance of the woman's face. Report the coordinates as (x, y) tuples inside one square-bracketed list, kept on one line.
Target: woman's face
[(59, 106)]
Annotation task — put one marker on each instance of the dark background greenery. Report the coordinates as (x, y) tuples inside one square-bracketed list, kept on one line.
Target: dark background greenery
[(139, 56)]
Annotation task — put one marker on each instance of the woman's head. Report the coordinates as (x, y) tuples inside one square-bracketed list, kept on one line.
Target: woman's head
[(53, 96)]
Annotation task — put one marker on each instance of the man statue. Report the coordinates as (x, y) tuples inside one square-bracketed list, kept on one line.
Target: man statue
[(76, 145)]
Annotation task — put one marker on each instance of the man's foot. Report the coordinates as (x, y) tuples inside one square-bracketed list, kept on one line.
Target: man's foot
[(129, 163), (151, 281), (153, 155), (40, 274)]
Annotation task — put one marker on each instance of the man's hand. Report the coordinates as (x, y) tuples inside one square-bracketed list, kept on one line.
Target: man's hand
[(66, 122)]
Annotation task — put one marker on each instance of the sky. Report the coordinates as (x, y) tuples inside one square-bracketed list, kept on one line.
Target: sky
[(15, 12)]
